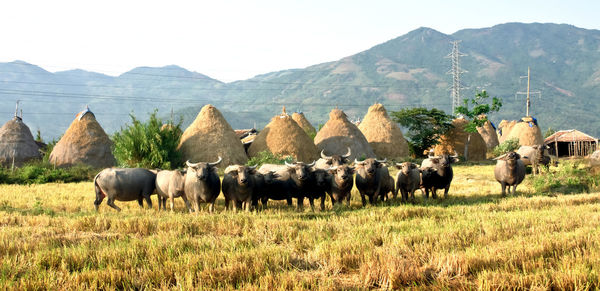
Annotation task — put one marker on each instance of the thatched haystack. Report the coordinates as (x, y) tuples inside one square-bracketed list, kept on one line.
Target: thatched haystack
[(489, 135), (526, 130), (84, 142), (384, 135), (338, 134), (16, 142), (504, 128), (209, 137), (299, 118), (283, 136), (455, 140)]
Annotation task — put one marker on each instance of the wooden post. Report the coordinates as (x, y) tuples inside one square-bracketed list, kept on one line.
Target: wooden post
[(555, 147)]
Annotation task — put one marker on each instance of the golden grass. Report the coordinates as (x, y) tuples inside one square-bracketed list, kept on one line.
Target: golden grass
[(51, 238)]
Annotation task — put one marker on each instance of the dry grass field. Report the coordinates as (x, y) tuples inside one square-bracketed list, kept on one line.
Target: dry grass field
[(51, 238)]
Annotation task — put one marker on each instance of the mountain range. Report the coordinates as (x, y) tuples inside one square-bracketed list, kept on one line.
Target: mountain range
[(410, 70)]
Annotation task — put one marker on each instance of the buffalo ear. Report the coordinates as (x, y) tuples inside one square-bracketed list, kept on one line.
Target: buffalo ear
[(455, 160), (413, 166), (519, 156), (252, 171), (398, 166), (435, 160), (351, 170)]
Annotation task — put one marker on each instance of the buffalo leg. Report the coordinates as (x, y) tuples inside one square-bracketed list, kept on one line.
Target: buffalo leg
[(311, 201), (148, 201), (412, 195), (434, 193), (323, 202), (248, 204), (187, 203), (264, 202), (514, 191), (172, 200), (289, 201), (300, 203), (196, 206), (111, 202), (364, 200), (141, 202), (446, 191), (503, 185), (425, 192), (372, 199), (348, 200), (98, 201), (211, 205)]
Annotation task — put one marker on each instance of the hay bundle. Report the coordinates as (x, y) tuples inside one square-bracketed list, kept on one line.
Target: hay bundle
[(504, 128), (455, 140), (299, 118), (338, 134), (209, 137), (16, 142), (489, 135), (526, 130), (84, 142), (384, 135), (283, 136)]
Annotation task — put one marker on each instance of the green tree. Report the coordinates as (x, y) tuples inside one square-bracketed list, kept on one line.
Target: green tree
[(425, 126), (477, 116), (148, 144), (550, 131)]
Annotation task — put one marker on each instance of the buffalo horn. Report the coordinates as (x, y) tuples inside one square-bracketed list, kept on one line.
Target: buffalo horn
[(216, 163), (312, 164), (289, 165), (347, 155), (190, 164), (324, 156), (455, 155), (382, 161), (358, 163)]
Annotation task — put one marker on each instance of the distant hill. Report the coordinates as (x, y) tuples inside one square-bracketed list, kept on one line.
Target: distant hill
[(410, 70)]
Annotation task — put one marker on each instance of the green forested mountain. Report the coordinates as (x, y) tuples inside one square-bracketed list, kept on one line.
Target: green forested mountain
[(410, 70)]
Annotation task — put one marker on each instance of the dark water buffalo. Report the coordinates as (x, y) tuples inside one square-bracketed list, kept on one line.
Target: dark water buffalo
[(280, 188), (319, 185), (170, 185), (332, 161), (240, 186), (263, 184), (202, 184), (439, 175), (509, 171), (341, 184), (124, 185), (373, 180), (302, 180), (408, 180)]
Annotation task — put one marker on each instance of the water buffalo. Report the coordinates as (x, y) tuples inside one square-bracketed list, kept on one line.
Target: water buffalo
[(536, 156), (280, 188), (124, 185), (202, 184), (509, 171), (170, 184), (373, 180), (319, 185), (263, 184), (341, 184), (302, 182), (332, 161), (408, 180), (439, 175), (239, 186)]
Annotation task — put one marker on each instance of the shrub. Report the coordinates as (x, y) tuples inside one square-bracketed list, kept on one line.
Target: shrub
[(266, 157), (148, 145), (44, 172), (570, 178), (508, 145)]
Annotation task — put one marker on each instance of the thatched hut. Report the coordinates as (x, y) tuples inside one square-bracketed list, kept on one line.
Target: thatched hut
[(299, 118), (209, 137), (526, 130), (338, 134), (383, 134), (17, 144), (569, 143), (84, 142), (454, 142), (284, 137), (489, 135)]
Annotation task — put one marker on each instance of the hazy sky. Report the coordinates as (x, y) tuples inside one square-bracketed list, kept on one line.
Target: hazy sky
[(232, 40)]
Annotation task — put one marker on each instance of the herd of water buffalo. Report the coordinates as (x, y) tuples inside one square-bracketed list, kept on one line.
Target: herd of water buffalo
[(245, 186)]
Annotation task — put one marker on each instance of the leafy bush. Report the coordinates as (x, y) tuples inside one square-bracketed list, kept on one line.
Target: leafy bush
[(508, 145), (266, 157), (425, 126), (44, 172), (571, 177), (149, 144)]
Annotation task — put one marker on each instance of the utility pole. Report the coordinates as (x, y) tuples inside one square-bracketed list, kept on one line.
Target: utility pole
[(528, 93), (455, 71)]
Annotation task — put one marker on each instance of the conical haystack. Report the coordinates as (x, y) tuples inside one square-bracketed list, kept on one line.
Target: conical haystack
[(283, 136), (489, 135), (16, 143), (455, 140), (84, 142), (384, 135), (338, 134), (527, 131), (299, 118), (209, 137), (504, 128)]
